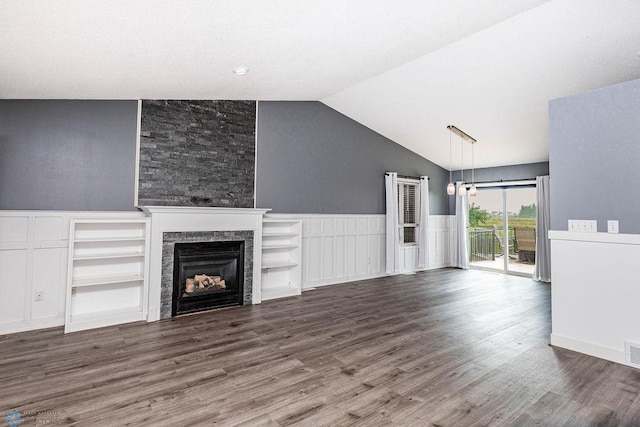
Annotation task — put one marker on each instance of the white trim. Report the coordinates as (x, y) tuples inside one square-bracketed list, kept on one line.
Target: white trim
[(574, 236), (408, 181), (200, 210), (311, 215), (338, 282), (137, 165), (255, 163), (30, 325), (589, 348)]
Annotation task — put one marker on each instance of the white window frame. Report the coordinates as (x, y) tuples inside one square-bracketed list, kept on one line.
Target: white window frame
[(402, 182)]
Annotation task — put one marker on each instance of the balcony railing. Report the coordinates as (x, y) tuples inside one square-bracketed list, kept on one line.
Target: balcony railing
[(487, 243), (482, 245)]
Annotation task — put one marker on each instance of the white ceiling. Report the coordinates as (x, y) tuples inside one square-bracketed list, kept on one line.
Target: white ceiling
[(405, 69), (495, 84)]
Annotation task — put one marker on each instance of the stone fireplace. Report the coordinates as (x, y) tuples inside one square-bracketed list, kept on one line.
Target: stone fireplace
[(207, 275), (203, 261), (195, 179), (171, 226)]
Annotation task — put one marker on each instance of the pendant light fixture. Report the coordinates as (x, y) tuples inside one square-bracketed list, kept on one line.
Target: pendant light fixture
[(473, 191), (462, 190), (451, 188)]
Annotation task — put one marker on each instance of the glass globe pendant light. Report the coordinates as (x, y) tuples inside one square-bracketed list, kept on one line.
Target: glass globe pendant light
[(451, 188)]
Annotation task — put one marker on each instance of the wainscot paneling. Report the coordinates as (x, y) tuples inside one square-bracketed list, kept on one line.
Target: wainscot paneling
[(33, 258), (343, 248), (440, 245)]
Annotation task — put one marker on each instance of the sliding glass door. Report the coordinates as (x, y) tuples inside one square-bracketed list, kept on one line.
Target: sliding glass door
[(502, 224)]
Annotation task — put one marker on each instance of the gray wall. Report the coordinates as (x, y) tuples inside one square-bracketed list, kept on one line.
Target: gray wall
[(507, 173), (502, 173), (594, 156), (312, 159), (67, 155), (197, 153)]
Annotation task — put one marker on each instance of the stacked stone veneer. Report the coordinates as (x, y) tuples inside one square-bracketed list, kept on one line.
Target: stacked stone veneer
[(197, 153), (168, 243)]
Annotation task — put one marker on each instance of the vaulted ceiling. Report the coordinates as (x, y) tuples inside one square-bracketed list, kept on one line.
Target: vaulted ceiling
[(405, 69)]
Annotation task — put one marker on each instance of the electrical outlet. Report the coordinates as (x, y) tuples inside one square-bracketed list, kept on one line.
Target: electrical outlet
[(612, 226), (39, 295)]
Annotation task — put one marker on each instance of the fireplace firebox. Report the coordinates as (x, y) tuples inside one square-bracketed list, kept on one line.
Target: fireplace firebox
[(207, 275)]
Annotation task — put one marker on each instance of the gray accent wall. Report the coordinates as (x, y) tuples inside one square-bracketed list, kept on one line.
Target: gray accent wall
[(67, 155), (197, 153), (507, 173), (501, 173), (313, 159), (594, 156)]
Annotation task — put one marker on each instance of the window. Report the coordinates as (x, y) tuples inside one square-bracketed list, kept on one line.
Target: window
[(408, 210)]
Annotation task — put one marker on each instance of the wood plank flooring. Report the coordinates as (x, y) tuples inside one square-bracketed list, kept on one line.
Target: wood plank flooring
[(440, 348)]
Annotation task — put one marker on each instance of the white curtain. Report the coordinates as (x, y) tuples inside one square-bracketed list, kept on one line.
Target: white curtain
[(542, 272), (423, 228), (462, 236), (393, 239)]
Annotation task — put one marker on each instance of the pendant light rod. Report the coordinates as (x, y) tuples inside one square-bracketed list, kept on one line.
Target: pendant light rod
[(473, 175), (461, 161), (461, 134), (450, 159)]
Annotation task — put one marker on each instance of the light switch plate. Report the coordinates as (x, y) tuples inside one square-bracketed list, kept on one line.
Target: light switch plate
[(574, 225)]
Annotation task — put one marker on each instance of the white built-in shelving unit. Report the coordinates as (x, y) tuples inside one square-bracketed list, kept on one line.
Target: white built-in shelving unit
[(281, 257), (107, 277)]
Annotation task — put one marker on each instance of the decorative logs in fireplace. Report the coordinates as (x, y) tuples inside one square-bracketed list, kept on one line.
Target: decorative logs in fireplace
[(202, 282), (207, 275)]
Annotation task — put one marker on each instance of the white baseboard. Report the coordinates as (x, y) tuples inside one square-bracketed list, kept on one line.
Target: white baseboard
[(591, 349), (29, 325), (346, 280)]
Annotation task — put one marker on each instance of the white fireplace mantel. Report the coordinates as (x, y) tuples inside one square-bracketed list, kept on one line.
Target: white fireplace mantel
[(166, 219)]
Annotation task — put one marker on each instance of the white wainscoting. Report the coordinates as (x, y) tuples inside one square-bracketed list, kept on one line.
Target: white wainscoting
[(440, 246), (595, 295), (33, 257), (342, 248)]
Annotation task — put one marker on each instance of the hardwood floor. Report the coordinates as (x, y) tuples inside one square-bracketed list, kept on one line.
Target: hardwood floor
[(441, 348)]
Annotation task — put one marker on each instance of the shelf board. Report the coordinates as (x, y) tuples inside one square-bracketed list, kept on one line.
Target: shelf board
[(109, 256), (267, 247), (280, 220), (109, 239), (106, 280), (279, 234), (278, 264)]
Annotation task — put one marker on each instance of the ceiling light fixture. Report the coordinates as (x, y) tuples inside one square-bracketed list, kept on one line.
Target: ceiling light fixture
[(240, 71), (462, 190), (473, 191), (451, 188)]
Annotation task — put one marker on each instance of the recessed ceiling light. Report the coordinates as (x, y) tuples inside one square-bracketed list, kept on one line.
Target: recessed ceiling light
[(240, 71)]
